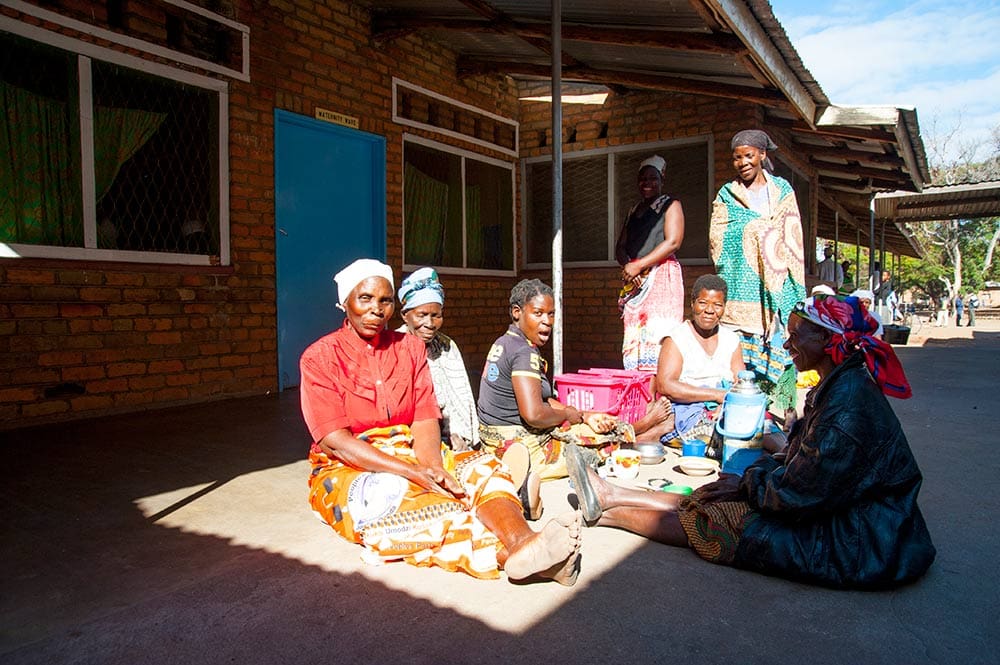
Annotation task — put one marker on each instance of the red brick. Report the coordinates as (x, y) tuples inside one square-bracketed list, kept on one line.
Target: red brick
[(33, 311), (59, 358), (18, 395), (146, 382), (163, 338), (46, 408), (20, 276), (92, 402), (126, 369)]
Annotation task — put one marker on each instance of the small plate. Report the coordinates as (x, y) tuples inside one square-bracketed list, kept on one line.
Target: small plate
[(697, 466)]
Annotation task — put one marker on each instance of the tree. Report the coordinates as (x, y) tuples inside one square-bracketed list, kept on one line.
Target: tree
[(960, 252)]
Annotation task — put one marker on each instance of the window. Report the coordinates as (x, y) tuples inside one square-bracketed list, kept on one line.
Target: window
[(101, 160), (599, 188), (458, 208)]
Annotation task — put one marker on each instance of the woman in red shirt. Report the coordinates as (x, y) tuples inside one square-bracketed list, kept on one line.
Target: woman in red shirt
[(379, 474)]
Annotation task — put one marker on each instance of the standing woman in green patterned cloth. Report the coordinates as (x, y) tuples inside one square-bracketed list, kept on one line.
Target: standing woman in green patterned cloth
[(756, 244)]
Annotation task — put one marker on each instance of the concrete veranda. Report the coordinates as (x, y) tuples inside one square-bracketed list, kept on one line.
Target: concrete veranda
[(183, 535)]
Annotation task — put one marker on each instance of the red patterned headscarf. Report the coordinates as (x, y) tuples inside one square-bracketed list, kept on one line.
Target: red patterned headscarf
[(853, 329)]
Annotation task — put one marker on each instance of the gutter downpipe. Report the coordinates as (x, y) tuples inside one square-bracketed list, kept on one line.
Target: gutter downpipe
[(557, 188)]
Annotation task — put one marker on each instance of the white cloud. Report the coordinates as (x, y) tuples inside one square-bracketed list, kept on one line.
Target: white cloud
[(941, 57)]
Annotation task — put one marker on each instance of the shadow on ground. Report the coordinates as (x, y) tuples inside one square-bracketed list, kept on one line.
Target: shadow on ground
[(96, 571)]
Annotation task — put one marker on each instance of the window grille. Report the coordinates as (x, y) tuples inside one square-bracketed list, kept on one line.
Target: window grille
[(102, 160), (592, 178)]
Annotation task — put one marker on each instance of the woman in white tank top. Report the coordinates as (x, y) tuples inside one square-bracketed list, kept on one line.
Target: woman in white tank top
[(699, 360)]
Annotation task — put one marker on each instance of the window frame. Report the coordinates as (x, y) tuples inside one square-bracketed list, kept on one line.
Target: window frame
[(610, 152), (463, 155), (85, 53)]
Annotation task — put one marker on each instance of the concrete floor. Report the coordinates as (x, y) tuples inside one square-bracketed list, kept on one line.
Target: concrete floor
[(183, 536)]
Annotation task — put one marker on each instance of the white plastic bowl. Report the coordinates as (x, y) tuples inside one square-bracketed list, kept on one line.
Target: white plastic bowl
[(697, 466)]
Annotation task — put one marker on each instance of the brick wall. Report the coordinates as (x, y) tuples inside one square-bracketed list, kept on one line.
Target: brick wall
[(80, 340)]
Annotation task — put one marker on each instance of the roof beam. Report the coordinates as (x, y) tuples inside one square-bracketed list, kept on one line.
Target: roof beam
[(860, 156), (390, 26), (983, 198), (836, 206), (876, 134), (856, 185), (478, 66), (859, 171)]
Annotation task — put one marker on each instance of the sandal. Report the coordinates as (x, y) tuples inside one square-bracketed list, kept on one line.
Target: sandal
[(530, 496), (585, 493)]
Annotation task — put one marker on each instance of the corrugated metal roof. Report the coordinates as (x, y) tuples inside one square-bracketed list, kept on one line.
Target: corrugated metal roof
[(938, 203), (732, 49)]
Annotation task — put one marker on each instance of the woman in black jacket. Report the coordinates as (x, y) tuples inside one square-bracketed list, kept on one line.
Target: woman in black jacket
[(835, 506)]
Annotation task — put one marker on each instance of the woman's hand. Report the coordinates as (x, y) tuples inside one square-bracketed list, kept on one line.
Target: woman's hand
[(726, 488), (436, 479), (773, 442), (632, 272), (601, 423)]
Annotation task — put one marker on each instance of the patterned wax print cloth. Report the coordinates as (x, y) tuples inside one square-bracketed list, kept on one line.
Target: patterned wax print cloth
[(546, 446), (649, 313), (395, 519)]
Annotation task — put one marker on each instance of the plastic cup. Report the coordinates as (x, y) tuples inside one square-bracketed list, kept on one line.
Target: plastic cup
[(694, 448), (624, 463)]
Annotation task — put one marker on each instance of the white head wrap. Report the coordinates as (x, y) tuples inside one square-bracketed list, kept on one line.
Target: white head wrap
[(822, 288), (656, 162), (358, 272), (864, 294)]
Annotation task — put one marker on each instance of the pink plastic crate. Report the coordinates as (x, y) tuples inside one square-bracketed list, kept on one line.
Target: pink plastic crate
[(623, 396)]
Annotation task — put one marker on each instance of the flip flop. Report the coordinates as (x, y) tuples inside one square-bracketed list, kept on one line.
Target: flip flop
[(585, 493)]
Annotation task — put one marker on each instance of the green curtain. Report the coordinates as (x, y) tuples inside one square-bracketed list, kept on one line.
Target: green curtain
[(426, 216), (39, 191), (39, 182), (475, 242), (118, 134)]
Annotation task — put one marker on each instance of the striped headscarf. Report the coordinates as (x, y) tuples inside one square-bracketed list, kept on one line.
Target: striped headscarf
[(853, 328)]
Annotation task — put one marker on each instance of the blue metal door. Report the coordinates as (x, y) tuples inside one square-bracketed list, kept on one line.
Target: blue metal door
[(329, 210)]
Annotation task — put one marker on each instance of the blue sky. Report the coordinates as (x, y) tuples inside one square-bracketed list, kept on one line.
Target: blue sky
[(941, 57)]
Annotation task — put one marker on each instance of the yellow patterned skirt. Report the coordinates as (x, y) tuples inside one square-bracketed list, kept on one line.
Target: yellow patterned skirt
[(545, 446), (395, 519)]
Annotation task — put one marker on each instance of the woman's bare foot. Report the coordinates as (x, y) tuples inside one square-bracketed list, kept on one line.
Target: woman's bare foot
[(551, 553), (659, 420)]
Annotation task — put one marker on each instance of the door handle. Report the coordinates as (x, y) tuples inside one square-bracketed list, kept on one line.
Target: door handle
[(283, 232)]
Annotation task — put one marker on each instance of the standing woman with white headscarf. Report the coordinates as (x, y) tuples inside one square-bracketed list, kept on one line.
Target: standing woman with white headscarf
[(378, 475), (755, 240), (651, 302)]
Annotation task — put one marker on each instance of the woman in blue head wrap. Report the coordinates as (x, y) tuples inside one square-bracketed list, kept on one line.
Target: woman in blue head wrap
[(421, 298)]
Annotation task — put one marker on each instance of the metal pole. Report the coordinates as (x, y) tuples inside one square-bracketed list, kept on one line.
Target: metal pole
[(836, 248), (557, 186), (871, 239), (881, 260), (857, 257), (836, 234)]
